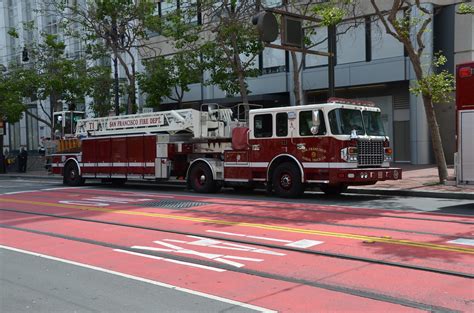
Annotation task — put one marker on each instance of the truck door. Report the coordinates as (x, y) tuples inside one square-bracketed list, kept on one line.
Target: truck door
[(261, 145)]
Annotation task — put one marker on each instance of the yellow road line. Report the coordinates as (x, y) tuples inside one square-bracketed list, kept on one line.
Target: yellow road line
[(253, 225)]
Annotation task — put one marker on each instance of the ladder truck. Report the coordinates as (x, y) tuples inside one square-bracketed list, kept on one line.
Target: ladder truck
[(286, 149)]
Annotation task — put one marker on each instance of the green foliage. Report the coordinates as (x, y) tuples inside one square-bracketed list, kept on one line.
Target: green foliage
[(100, 84), (13, 33), (57, 76), (229, 55), (11, 101), (50, 74), (437, 85), (331, 12), (156, 82), (465, 8), (111, 27), (171, 76)]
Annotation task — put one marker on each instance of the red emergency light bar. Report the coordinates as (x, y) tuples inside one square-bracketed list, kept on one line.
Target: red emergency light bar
[(465, 72), (350, 101)]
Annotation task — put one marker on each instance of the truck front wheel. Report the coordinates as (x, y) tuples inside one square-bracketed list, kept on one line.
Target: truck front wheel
[(201, 180), (287, 180), (71, 175)]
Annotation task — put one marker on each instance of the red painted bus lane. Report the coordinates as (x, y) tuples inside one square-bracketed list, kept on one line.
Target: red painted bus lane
[(352, 220), (419, 249), (418, 286), (262, 292)]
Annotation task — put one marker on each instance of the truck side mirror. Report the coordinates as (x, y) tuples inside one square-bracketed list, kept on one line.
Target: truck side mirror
[(316, 122)]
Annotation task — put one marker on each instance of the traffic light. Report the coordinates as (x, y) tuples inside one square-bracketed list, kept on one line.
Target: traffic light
[(267, 26), (24, 55)]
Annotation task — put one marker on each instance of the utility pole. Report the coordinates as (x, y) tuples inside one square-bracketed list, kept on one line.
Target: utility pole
[(2, 156), (331, 60)]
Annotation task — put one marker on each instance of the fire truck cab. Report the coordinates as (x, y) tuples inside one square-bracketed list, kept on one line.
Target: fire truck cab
[(332, 145)]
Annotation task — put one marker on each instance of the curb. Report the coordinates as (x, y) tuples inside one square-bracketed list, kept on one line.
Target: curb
[(32, 176), (414, 193)]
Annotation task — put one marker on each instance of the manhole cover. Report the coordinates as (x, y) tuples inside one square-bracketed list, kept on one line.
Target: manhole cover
[(173, 204)]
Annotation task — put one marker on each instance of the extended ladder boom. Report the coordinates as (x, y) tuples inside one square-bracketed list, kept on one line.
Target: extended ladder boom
[(199, 124)]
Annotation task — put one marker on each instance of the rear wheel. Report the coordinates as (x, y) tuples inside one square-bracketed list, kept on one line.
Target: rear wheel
[(287, 180), (201, 180), (71, 175), (333, 190)]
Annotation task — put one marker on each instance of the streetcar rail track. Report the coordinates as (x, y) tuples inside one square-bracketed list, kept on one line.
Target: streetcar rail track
[(264, 206), (342, 289), (255, 243)]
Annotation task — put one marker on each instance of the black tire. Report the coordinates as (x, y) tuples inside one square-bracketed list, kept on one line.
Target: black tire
[(71, 175), (333, 190), (201, 180), (287, 180)]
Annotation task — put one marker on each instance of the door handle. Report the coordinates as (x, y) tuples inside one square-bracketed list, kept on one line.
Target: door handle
[(256, 147)]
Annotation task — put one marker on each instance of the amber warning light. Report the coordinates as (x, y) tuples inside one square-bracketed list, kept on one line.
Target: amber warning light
[(465, 72)]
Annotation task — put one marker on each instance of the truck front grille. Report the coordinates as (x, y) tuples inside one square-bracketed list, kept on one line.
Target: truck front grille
[(370, 153)]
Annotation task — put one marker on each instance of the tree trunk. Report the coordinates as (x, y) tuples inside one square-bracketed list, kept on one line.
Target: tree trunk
[(433, 126), (132, 91), (297, 90), (435, 139), (131, 81)]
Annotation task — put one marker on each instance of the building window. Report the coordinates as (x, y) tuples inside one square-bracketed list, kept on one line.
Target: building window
[(273, 60), (351, 42), (271, 3), (319, 42), (384, 45), (166, 7), (263, 126), (282, 124)]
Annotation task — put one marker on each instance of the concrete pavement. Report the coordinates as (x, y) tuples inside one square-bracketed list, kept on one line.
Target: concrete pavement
[(418, 181)]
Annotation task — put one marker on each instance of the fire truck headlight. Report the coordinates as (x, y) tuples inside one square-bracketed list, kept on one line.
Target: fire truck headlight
[(349, 154)]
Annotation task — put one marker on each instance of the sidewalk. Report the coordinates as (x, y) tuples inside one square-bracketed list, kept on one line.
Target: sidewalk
[(418, 181)]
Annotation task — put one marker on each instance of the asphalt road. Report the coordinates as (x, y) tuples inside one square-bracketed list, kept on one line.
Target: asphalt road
[(35, 284), (161, 248)]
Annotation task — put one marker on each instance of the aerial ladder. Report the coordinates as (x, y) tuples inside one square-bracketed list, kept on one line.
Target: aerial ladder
[(214, 123)]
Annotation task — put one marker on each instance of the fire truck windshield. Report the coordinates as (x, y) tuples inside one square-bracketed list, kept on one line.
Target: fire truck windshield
[(373, 123), (344, 121)]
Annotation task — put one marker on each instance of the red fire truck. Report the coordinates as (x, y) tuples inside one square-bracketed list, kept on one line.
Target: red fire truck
[(332, 145), (465, 123)]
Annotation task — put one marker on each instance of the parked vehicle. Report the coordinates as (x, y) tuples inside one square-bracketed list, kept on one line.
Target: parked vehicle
[(464, 157), (332, 145)]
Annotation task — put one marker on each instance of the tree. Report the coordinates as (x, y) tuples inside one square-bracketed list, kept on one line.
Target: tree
[(433, 87), (170, 75), (64, 81), (155, 82), (14, 85), (49, 74), (465, 8), (100, 90), (120, 25), (232, 45)]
